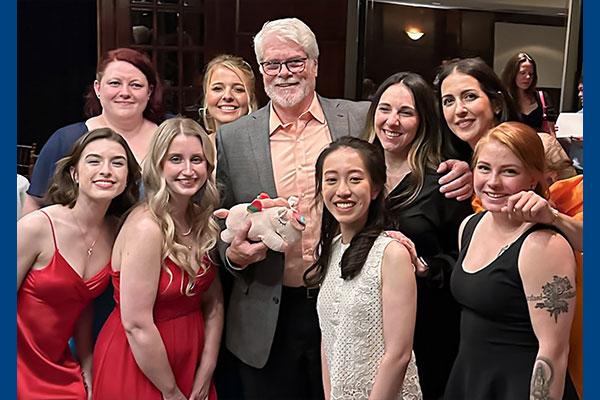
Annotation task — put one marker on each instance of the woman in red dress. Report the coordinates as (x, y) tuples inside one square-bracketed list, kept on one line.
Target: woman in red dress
[(62, 264), (162, 339)]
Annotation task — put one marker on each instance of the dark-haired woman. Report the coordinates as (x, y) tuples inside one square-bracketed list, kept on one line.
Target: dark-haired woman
[(367, 301), (402, 121), (520, 77), (63, 253), (473, 100), (125, 97)]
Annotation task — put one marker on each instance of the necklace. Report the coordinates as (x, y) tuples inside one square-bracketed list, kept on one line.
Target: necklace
[(90, 248), (503, 249), (186, 233)]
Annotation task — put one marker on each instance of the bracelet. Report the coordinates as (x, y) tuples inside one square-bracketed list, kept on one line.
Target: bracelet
[(555, 215), (422, 260)]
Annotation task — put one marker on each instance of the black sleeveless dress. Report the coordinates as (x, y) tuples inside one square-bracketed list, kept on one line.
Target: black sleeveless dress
[(497, 344)]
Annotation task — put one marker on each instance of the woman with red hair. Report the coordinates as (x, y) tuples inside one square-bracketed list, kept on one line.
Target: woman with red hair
[(126, 96)]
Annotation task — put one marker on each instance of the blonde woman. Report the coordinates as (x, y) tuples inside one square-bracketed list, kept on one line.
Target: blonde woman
[(162, 339), (228, 91)]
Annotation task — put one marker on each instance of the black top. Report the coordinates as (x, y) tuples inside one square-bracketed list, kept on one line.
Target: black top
[(498, 346), (431, 221), (535, 118)]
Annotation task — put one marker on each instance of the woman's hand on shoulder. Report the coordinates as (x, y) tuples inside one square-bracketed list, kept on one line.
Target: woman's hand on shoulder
[(419, 265), (397, 260)]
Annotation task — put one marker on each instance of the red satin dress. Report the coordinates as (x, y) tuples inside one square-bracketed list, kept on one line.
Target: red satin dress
[(181, 326), (49, 303)]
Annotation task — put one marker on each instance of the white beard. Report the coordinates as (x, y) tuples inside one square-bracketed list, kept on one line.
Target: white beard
[(291, 98)]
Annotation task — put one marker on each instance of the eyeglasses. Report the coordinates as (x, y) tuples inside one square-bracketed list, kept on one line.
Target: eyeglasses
[(295, 66)]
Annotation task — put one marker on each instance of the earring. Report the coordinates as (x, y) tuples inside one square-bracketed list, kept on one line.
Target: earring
[(98, 95)]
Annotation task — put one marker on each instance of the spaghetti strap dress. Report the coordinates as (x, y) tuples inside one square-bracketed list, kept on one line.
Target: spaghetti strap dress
[(49, 303), (178, 318), (497, 344)]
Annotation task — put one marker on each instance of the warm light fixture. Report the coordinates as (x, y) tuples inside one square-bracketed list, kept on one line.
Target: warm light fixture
[(414, 34)]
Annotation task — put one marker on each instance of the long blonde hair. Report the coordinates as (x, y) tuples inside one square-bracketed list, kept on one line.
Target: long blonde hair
[(199, 212)]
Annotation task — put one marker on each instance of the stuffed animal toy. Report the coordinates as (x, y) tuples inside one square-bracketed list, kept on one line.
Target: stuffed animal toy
[(275, 222)]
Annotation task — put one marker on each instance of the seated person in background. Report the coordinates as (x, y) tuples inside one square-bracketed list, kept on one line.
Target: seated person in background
[(367, 298), (22, 186), (516, 312)]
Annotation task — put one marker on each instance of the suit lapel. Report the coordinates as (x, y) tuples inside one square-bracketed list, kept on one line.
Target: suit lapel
[(337, 118), (259, 139)]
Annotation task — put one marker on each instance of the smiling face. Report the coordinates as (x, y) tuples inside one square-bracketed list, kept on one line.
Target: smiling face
[(184, 166), (287, 89), (396, 119), (347, 190), (524, 76), (467, 109), (123, 91), (226, 96), (101, 171), (498, 174)]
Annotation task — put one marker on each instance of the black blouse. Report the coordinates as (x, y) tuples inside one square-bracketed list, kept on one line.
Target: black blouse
[(431, 221)]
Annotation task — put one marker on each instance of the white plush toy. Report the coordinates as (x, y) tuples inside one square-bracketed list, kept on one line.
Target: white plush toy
[(275, 222)]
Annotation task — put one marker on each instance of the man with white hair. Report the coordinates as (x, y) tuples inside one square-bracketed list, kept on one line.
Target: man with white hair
[(272, 324)]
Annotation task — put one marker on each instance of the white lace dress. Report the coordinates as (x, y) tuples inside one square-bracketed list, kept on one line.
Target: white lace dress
[(351, 320)]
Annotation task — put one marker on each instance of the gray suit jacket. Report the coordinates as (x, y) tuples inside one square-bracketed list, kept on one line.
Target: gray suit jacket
[(245, 169)]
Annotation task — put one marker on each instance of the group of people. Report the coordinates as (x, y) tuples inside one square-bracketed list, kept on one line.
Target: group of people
[(395, 290)]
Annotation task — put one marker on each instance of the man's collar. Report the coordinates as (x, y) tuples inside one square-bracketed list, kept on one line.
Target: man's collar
[(314, 110)]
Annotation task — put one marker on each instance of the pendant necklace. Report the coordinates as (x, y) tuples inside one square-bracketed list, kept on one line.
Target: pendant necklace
[(90, 248)]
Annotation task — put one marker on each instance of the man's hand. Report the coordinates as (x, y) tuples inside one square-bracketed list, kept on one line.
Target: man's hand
[(241, 252), (458, 181)]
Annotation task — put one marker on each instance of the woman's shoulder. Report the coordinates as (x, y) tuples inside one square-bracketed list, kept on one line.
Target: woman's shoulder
[(71, 132), (392, 248), (140, 223), (546, 252), (149, 126), (39, 223), (541, 238)]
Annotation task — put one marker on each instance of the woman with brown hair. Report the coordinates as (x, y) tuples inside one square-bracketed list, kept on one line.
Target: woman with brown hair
[(520, 77), (62, 256)]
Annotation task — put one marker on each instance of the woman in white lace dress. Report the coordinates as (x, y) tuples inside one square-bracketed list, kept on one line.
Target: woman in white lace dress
[(367, 301)]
